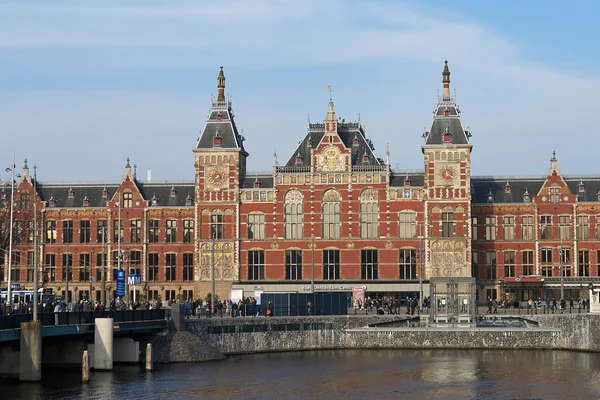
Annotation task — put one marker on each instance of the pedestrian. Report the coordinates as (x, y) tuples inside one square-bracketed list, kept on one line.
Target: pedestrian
[(309, 308), (270, 311), (489, 305)]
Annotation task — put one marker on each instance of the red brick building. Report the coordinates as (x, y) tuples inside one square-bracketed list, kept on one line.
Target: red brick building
[(333, 217)]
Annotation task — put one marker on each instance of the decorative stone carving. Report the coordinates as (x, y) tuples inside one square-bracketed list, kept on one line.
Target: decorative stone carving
[(350, 245), (388, 245), (332, 196), (369, 195), (274, 245), (294, 197), (331, 160)]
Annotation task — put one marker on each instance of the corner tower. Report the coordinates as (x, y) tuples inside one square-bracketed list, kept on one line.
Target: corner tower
[(447, 159)]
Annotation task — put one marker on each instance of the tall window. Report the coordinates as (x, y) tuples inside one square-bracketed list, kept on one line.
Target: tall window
[(153, 231), (256, 265), (85, 233), (474, 228), (135, 262), (25, 200), (584, 263), (368, 264), (331, 264), (50, 268), (256, 226), (546, 259), (127, 200), (67, 262), (564, 223), (118, 227), (509, 263), (447, 224), (188, 266), (554, 195), (407, 227), (293, 211), (527, 227), (101, 232), (170, 266), (135, 231), (408, 264), (50, 232), (490, 228), (30, 231), (84, 267), (188, 230), (153, 266), (583, 227), (598, 227), (490, 264), (67, 227), (16, 262), (171, 231), (217, 226), (565, 261), (475, 264), (508, 224), (528, 263), (331, 220), (30, 257), (293, 265), (369, 214), (101, 258), (546, 227)]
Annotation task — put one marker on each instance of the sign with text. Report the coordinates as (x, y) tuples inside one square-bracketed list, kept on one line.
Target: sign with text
[(120, 283), (134, 279)]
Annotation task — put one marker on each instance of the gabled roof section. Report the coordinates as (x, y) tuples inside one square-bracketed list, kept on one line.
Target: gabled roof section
[(221, 124), (71, 195), (482, 187), (446, 119), (351, 134), (167, 194)]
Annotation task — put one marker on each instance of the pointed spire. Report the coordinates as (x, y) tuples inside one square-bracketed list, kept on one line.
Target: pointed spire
[(127, 174), (387, 155), (330, 118), (553, 165), (221, 85), (274, 159), (134, 171), (446, 81)]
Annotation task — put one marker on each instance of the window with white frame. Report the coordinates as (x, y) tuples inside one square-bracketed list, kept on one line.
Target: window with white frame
[(490, 227), (528, 263), (369, 214), (546, 227), (508, 225), (408, 264), (407, 221), (474, 228), (293, 214), (256, 226), (554, 194), (447, 224), (509, 263), (584, 263), (583, 227), (527, 227), (564, 224)]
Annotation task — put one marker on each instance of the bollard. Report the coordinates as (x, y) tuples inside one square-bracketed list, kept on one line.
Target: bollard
[(85, 367), (149, 364)]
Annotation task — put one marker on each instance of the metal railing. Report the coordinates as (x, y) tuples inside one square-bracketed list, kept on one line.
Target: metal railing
[(84, 317), (518, 308)]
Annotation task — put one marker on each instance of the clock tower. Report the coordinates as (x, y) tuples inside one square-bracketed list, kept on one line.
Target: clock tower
[(447, 159)]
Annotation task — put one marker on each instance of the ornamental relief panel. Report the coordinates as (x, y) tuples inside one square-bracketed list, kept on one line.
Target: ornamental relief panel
[(448, 259), (369, 195), (332, 196), (294, 197), (224, 267), (331, 160)]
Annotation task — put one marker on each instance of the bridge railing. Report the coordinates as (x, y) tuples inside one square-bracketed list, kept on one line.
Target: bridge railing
[(84, 317)]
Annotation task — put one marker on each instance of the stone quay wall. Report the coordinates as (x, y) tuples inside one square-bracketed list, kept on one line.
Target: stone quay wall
[(259, 335)]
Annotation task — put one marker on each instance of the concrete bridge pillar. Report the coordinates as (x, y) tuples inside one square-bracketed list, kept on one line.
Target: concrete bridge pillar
[(30, 365), (126, 350), (103, 344)]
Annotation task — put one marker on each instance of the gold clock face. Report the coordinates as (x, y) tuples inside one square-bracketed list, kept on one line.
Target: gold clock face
[(216, 177), (447, 174)]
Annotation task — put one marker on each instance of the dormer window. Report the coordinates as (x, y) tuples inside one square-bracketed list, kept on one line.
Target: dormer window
[(407, 181), (217, 139), (310, 142), (173, 191), (507, 188), (256, 183), (447, 136), (219, 116), (299, 159), (51, 201), (581, 186), (365, 158), (355, 141), (154, 200), (490, 196), (105, 193), (86, 201), (598, 195), (526, 196), (189, 200), (71, 193), (446, 112)]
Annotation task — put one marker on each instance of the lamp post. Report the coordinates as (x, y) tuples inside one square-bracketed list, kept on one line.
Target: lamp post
[(212, 275), (10, 229), (312, 271), (35, 247), (421, 255), (103, 294), (67, 273)]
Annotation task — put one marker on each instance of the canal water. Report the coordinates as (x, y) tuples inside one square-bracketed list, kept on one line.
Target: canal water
[(343, 374)]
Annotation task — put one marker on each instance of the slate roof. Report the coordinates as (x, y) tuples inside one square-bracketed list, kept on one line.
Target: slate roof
[(59, 192), (266, 181), (416, 178), (221, 121), (483, 186), (347, 131), (591, 187), (441, 123)]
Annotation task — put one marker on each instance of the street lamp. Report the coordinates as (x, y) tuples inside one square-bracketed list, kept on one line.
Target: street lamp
[(103, 294), (312, 273), (212, 275), (10, 229), (35, 247)]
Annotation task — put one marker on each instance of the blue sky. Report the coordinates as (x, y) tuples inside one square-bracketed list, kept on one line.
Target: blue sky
[(84, 85)]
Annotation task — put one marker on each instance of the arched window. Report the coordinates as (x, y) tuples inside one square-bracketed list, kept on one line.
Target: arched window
[(293, 214), (448, 222), (369, 214), (331, 214)]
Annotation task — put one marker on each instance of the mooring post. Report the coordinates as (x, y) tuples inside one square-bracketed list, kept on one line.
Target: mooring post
[(149, 361), (85, 367)]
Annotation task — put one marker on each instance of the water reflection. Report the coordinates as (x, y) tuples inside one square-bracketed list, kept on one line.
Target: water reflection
[(413, 374)]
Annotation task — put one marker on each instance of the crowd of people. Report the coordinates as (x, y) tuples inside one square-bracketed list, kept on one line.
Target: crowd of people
[(391, 305), (245, 307), (81, 305), (551, 304)]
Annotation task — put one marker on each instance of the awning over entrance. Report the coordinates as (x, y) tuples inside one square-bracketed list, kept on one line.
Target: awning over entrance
[(524, 281)]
